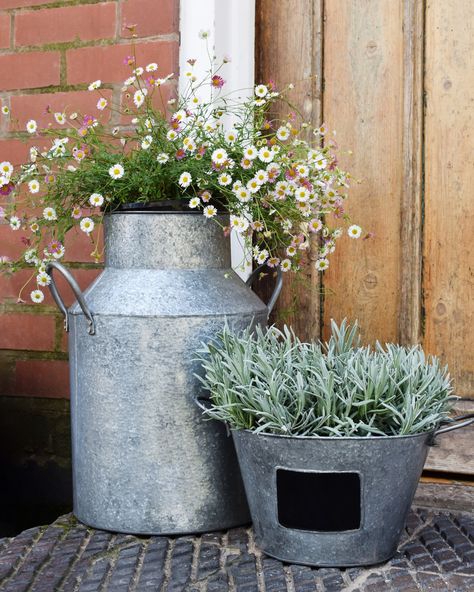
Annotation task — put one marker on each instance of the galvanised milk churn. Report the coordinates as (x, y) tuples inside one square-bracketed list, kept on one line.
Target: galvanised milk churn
[(145, 460)]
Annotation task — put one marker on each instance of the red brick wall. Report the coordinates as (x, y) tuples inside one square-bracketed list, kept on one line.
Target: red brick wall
[(49, 53)]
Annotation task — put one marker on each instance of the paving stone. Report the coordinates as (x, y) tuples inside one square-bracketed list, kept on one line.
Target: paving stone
[(436, 555)]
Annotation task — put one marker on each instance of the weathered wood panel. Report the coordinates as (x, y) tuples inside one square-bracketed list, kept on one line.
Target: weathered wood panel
[(449, 188), (363, 101), (289, 50)]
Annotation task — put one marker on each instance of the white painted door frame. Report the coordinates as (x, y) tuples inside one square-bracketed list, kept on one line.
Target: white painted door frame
[(231, 27)]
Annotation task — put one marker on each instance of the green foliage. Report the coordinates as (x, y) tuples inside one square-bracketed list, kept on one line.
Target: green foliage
[(269, 381)]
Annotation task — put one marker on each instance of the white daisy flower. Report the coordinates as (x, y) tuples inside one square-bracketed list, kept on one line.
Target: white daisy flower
[(116, 171), (354, 231), (180, 115), (261, 90), (236, 185), (95, 85), (209, 211), (59, 253), (262, 256), (30, 256), (43, 279), (321, 264), (171, 135), (265, 154), (139, 97), (31, 126), (243, 194), (162, 158), (285, 265), (129, 81), (219, 156), (37, 296), (138, 71), (34, 186), (185, 180), (250, 153), (231, 136), (206, 196), (315, 225), (102, 104), (6, 169), (320, 162), (87, 225), (5, 110), (261, 176), (60, 118), (224, 179), (259, 102), (194, 202), (49, 214), (273, 262), (152, 67), (15, 223), (253, 185), (283, 133), (291, 251), (96, 200), (146, 142), (302, 194), (302, 170), (34, 227), (239, 223)]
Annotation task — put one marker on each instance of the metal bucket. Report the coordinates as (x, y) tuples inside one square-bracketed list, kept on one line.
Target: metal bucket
[(331, 501), (144, 459)]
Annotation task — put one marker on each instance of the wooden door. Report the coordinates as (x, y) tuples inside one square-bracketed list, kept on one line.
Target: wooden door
[(395, 78)]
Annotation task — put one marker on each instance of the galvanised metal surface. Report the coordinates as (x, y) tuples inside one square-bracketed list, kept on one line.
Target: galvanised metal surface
[(144, 459), (389, 469)]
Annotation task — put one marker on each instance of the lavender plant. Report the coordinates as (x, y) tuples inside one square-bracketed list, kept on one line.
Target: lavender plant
[(269, 381)]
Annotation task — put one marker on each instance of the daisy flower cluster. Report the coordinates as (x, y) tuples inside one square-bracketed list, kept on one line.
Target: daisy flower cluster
[(277, 180)]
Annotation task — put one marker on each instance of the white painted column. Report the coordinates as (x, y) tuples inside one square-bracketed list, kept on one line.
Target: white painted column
[(231, 26)]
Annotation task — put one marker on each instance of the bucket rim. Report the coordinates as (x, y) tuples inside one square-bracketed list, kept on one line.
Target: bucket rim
[(338, 438)]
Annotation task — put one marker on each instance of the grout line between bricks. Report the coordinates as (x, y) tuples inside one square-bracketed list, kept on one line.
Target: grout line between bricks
[(290, 583), (76, 560), (195, 560), (167, 565), (22, 559), (255, 551), (138, 566), (45, 564)]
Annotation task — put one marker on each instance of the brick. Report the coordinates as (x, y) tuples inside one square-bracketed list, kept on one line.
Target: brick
[(27, 331), (29, 70), (22, 3), (4, 30), (87, 64), (79, 246), (25, 107), (16, 151), (42, 378), (150, 17), (55, 25)]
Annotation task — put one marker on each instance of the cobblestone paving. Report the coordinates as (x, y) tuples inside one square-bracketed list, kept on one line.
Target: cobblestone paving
[(436, 554)]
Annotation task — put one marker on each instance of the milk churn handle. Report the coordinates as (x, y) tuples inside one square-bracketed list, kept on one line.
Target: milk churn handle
[(77, 293), (469, 417), (276, 290)]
